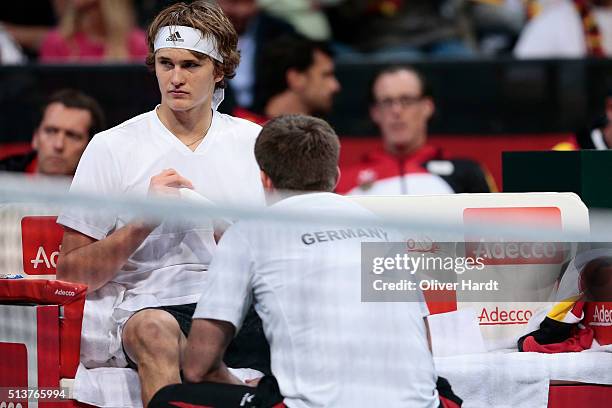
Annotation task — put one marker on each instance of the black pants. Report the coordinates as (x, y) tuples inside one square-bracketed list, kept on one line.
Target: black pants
[(215, 395), (266, 395)]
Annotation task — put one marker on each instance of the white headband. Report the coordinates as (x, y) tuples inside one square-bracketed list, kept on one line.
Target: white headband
[(187, 38)]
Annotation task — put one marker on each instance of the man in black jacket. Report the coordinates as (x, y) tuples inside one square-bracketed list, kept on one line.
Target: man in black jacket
[(296, 76), (599, 135), (69, 120), (255, 29)]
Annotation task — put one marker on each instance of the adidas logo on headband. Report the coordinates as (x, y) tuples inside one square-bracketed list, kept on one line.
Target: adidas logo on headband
[(175, 37), (187, 38)]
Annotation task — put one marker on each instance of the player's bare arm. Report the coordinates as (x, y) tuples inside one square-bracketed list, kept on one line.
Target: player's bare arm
[(86, 260), (206, 345)]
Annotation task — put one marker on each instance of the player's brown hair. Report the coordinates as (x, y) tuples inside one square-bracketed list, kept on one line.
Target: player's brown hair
[(210, 20), (299, 153), (75, 99)]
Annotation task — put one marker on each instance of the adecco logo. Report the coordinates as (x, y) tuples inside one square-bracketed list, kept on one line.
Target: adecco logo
[(43, 260), (601, 316), (61, 292), (41, 237), (496, 251), (490, 317), (598, 316), (504, 253)]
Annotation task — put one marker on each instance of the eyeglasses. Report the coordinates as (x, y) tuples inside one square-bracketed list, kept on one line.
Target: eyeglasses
[(404, 101)]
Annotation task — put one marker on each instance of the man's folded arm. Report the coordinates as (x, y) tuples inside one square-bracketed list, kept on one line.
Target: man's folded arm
[(84, 259)]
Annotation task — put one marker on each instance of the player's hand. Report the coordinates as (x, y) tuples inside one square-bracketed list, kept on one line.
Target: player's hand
[(167, 183)]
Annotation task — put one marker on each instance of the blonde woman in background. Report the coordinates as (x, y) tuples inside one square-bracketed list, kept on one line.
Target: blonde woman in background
[(94, 31)]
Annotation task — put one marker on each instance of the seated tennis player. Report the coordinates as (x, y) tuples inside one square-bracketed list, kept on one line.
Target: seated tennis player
[(156, 272), (329, 349)]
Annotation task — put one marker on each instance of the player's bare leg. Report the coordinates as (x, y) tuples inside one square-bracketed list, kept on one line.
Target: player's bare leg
[(153, 340)]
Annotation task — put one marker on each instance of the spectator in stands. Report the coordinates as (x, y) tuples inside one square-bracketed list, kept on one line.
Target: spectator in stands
[(401, 106), (497, 24), (309, 294), (598, 135), (296, 76), (29, 22), (94, 31), (147, 10), (255, 29), (10, 51), (182, 143), (69, 120), (307, 16), (401, 28), (569, 29)]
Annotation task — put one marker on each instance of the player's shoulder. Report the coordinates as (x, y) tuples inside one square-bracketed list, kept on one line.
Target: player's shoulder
[(131, 127), (144, 119), (326, 203), (238, 126), (125, 136)]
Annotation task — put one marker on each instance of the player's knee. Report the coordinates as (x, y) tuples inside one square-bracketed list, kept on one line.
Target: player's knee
[(153, 334)]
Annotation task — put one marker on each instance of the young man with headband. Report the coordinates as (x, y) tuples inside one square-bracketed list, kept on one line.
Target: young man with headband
[(329, 348), (154, 273)]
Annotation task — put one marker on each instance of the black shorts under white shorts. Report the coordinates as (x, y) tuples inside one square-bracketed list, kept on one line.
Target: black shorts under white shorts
[(249, 349)]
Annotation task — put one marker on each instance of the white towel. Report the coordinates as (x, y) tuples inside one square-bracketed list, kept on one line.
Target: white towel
[(455, 333), (481, 380), (496, 380), (112, 387), (99, 334), (520, 379), (107, 387), (587, 366)]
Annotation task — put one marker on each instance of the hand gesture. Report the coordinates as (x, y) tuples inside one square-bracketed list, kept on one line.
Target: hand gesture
[(167, 183)]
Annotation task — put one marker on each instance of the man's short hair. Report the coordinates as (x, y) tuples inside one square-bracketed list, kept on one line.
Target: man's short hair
[(299, 153), (281, 55), (425, 87), (210, 20), (72, 98)]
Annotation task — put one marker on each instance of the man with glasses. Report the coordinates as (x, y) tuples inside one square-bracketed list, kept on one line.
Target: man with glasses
[(401, 106)]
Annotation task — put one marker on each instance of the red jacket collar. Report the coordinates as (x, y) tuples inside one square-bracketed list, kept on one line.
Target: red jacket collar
[(32, 167), (250, 116)]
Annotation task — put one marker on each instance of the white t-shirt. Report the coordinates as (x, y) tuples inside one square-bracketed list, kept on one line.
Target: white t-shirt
[(558, 32), (328, 348), (168, 267)]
